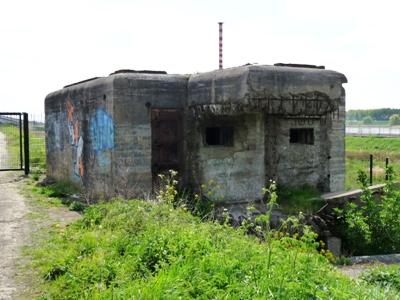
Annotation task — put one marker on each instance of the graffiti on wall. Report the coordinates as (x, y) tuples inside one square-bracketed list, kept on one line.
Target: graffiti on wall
[(75, 138), (102, 136), (54, 131)]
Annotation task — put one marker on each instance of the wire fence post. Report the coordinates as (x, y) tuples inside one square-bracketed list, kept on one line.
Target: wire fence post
[(26, 143), (371, 167), (386, 168), (21, 155)]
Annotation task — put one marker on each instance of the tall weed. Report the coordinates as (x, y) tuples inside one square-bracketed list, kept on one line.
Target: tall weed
[(373, 225)]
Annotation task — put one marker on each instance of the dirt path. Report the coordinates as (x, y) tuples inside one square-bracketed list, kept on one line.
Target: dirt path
[(14, 226), (14, 230), (17, 227), (355, 271)]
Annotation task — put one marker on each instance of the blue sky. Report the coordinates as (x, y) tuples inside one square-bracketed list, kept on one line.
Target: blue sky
[(48, 44)]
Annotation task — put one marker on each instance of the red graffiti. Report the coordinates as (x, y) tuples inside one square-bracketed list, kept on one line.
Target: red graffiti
[(81, 169), (70, 111), (76, 132), (75, 139)]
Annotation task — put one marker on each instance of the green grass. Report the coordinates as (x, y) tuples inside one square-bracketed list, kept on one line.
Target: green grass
[(358, 150), (142, 250), (59, 189), (11, 133), (373, 145), (57, 194), (36, 146), (300, 199), (362, 163)]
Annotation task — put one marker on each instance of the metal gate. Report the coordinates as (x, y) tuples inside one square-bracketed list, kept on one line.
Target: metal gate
[(14, 142)]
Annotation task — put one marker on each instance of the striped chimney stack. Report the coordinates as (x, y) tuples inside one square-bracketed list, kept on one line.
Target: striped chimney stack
[(220, 45)]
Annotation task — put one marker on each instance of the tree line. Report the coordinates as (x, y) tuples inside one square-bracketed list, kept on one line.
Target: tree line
[(380, 114)]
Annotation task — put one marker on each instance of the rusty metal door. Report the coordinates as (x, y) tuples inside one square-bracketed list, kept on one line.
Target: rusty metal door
[(166, 134)]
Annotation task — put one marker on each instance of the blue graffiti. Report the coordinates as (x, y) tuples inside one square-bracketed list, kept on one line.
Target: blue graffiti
[(101, 131)]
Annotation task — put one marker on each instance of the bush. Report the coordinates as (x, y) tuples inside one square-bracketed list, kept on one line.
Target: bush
[(394, 120), (373, 227)]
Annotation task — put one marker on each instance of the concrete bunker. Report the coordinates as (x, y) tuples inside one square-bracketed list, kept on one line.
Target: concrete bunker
[(240, 127)]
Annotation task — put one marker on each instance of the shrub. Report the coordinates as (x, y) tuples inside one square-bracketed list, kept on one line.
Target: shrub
[(373, 227), (394, 120)]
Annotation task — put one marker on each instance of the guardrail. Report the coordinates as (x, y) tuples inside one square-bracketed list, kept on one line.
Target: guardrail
[(373, 130)]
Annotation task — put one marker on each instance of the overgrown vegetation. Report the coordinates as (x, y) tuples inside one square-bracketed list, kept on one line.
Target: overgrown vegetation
[(387, 277), (373, 225), (158, 250)]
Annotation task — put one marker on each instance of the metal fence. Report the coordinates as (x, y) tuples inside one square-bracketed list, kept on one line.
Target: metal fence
[(17, 152), (12, 147), (37, 141), (373, 130)]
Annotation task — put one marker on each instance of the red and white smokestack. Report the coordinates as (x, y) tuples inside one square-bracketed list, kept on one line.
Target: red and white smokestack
[(220, 45)]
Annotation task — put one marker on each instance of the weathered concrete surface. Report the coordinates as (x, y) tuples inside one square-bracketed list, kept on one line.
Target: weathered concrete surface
[(238, 170), (335, 198), (135, 95), (289, 98), (80, 134), (277, 90), (99, 132), (385, 259)]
